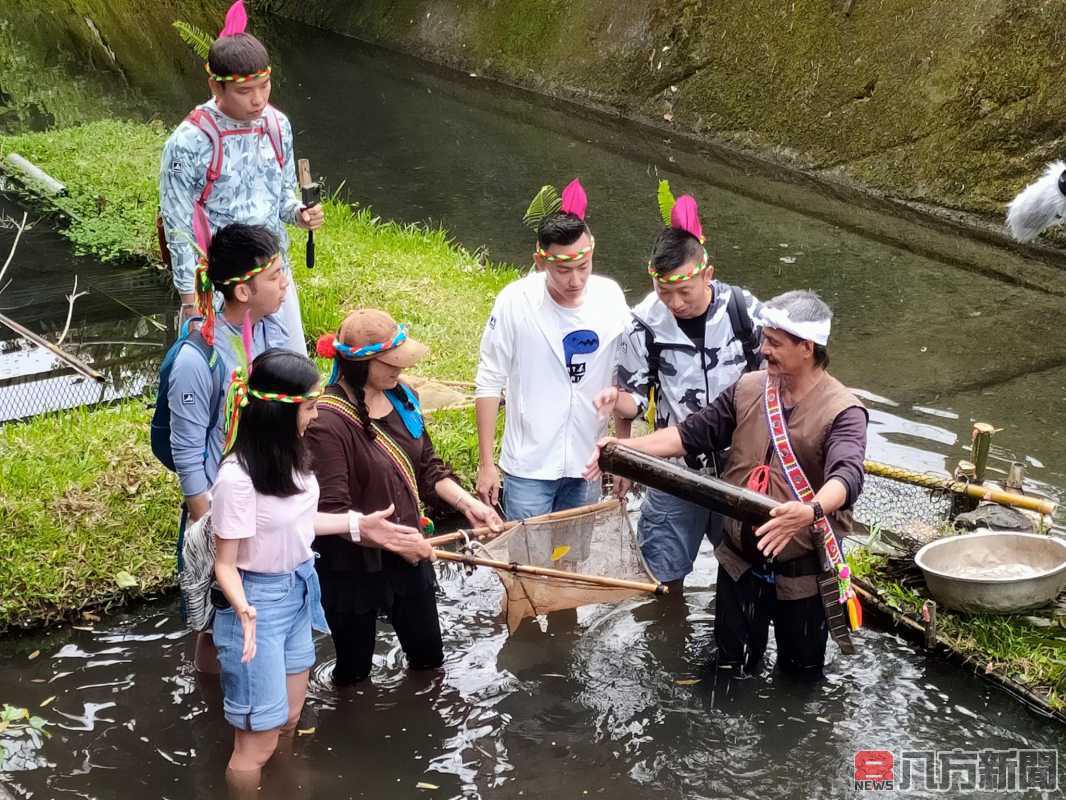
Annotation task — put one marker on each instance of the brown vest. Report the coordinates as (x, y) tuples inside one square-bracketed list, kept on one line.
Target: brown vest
[(808, 427)]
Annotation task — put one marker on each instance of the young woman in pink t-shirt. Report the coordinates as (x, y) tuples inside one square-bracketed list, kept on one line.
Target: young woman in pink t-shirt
[(264, 516)]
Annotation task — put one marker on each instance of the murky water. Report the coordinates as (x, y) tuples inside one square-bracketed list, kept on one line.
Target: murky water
[(616, 704), (117, 327)]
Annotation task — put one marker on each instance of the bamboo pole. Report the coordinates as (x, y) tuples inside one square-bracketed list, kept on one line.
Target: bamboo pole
[(544, 572), (487, 533), (971, 490), (481, 534), (982, 443), (77, 364), (717, 495)]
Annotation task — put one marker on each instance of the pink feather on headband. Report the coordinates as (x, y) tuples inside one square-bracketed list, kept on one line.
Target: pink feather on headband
[(236, 20), (201, 228), (575, 201), (685, 216)]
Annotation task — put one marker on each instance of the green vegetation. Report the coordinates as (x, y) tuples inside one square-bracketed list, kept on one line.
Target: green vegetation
[(1033, 656), (111, 170), (87, 515), (84, 501)]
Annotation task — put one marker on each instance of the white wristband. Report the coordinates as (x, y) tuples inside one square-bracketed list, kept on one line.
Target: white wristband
[(354, 518)]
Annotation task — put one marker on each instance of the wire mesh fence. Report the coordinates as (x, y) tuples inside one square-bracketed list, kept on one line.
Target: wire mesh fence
[(33, 380)]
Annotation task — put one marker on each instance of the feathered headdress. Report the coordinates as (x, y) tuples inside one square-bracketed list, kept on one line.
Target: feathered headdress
[(1039, 205), (200, 41), (684, 215), (547, 201)]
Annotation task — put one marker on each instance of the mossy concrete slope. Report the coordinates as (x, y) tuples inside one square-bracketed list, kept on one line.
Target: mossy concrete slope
[(939, 101)]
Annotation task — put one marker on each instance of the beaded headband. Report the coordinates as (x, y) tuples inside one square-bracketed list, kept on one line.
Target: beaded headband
[(237, 398), (205, 299), (563, 257), (329, 346), (237, 78), (658, 276)]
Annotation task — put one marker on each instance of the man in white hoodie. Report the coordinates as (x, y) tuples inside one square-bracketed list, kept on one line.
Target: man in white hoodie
[(550, 344)]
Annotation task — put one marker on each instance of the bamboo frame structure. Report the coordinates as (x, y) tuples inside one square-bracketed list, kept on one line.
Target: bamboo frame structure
[(979, 492), (544, 572)]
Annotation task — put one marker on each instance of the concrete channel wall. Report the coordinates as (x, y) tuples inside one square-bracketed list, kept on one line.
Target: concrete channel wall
[(950, 103)]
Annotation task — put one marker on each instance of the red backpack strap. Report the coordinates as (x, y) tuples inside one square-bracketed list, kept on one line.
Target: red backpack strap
[(272, 123), (207, 125)]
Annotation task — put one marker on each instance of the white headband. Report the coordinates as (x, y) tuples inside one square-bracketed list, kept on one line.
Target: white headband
[(813, 331)]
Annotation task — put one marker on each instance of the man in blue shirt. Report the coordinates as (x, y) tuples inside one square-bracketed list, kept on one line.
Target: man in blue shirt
[(245, 267)]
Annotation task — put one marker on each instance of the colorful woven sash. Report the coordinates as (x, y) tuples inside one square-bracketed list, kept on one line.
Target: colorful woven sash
[(801, 488), (386, 444)]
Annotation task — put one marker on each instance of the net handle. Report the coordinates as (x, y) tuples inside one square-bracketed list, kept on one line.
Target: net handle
[(487, 533)]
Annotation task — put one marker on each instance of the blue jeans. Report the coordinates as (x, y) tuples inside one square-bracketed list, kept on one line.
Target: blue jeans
[(670, 532), (287, 606), (530, 497)]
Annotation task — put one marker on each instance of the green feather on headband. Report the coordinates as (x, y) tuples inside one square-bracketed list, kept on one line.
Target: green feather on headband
[(666, 201), (545, 202)]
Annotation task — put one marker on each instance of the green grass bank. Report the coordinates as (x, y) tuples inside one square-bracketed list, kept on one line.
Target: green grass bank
[(87, 516), (1015, 647)]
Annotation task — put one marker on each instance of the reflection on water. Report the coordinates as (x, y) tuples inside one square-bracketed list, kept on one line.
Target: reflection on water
[(117, 327), (615, 701)]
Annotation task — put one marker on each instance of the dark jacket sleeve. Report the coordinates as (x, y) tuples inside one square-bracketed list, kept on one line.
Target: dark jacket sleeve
[(845, 451), (711, 428), (331, 454)]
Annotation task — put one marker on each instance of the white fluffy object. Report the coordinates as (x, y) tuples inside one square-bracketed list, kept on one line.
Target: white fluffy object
[(1038, 206)]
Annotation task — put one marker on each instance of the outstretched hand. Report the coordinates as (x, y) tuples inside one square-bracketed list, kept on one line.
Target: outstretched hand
[(605, 401), (376, 530), (480, 515)]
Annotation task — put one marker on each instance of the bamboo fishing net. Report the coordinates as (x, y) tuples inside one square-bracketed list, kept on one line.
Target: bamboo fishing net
[(594, 540), (910, 510)]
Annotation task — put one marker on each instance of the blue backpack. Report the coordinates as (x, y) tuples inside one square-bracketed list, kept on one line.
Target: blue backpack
[(160, 428)]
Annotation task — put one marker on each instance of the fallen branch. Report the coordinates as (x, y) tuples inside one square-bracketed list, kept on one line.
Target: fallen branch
[(11, 254), (77, 364), (71, 299)]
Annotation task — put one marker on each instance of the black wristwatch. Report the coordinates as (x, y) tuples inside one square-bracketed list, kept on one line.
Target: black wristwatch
[(816, 507)]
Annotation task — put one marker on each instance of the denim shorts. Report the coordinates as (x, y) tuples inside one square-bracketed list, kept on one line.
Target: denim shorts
[(530, 497), (670, 532), (255, 694)]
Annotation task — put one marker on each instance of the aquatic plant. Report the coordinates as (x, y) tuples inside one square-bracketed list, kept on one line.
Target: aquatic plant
[(20, 731)]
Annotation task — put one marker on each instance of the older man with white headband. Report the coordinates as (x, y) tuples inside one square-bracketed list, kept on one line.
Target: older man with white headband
[(792, 413)]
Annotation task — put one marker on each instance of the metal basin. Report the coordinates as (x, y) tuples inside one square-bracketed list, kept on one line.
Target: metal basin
[(998, 572)]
